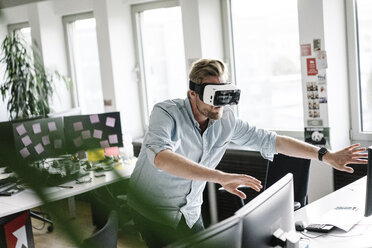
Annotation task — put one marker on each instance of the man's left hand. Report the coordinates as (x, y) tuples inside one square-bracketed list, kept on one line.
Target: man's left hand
[(349, 155)]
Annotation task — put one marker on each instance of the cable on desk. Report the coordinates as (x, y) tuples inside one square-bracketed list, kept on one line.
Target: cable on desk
[(312, 237)]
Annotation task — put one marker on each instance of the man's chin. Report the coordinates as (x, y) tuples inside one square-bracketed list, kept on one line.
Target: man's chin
[(215, 115)]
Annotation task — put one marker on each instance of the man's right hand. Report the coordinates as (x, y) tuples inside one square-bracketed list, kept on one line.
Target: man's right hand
[(231, 182)]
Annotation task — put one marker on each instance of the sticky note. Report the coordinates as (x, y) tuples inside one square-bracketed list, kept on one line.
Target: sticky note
[(113, 139), (78, 142), (112, 151), (78, 126), (24, 152), (39, 148), (45, 139), (86, 134), (110, 122), (21, 130), (96, 154), (97, 134), (26, 140), (104, 143), (36, 127), (52, 126), (58, 143), (94, 119)]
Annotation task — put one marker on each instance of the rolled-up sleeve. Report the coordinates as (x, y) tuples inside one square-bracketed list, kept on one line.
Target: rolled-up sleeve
[(159, 134), (257, 139)]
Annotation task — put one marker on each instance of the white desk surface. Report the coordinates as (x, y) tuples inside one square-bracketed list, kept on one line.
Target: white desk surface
[(28, 199), (351, 195)]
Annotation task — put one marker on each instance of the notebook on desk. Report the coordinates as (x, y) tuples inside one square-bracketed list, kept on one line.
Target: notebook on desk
[(343, 217)]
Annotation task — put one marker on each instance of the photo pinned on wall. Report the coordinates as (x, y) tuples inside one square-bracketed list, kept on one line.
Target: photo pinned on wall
[(317, 45), (313, 99), (305, 49), (322, 77), (311, 67), (318, 136), (321, 59), (322, 100)]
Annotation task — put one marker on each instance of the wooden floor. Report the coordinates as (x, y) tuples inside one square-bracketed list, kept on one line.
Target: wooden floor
[(58, 239)]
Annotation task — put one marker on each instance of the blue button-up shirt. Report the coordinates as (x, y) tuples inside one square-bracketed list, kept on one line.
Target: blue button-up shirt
[(173, 126)]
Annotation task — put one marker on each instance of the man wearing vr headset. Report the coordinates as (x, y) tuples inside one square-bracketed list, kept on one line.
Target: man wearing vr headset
[(185, 142)]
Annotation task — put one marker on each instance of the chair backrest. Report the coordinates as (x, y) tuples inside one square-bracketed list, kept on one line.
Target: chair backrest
[(299, 167), (107, 236)]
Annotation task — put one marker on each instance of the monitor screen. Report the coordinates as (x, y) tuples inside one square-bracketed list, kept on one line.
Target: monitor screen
[(368, 209), (84, 132), (270, 210), (35, 139), (226, 233)]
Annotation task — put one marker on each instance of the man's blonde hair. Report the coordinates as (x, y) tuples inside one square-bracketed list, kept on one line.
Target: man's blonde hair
[(207, 67)]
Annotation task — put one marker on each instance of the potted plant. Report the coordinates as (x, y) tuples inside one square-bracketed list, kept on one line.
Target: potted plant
[(27, 86)]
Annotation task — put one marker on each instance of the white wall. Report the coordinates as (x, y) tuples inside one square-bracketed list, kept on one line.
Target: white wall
[(117, 49), (201, 20), (47, 31), (325, 20)]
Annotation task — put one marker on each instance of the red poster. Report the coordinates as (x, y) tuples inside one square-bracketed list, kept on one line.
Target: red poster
[(311, 67), (15, 232)]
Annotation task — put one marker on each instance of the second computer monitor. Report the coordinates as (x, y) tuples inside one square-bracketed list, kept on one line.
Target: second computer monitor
[(368, 210), (224, 234), (269, 211), (84, 132)]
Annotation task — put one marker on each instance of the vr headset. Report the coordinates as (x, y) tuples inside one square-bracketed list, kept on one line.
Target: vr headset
[(216, 94)]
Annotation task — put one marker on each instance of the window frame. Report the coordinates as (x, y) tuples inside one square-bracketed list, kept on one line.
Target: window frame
[(136, 9), (17, 26), (229, 51), (354, 79), (66, 20)]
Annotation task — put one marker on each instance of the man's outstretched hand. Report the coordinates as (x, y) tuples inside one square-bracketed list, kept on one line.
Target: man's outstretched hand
[(231, 182), (349, 155)]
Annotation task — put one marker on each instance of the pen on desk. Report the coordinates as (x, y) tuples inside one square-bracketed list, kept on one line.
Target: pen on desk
[(66, 186)]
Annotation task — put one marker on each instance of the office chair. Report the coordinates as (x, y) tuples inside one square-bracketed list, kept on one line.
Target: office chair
[(278, 168), (107, 236), (299, 167), (40, 216)]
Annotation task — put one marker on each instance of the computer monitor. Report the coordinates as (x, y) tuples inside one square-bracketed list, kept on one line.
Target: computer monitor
[(269, 211), (226, 233), (85, 132), (31, 139), (368, 208)]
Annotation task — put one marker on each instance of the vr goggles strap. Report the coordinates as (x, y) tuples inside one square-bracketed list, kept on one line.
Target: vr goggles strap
[(198, 88)]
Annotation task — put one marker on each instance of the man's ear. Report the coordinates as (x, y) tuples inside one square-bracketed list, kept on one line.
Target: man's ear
[(192, 93)]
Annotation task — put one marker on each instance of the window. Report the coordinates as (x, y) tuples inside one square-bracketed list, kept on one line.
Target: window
[(84, 62), (359, 23), (266, 63), (160, 52), (24, 29)]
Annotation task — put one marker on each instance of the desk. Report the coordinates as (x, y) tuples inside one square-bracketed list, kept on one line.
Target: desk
[(351, 195), (28, 199)]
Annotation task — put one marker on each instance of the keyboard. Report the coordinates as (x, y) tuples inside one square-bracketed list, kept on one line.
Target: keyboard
[(9, 179)]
